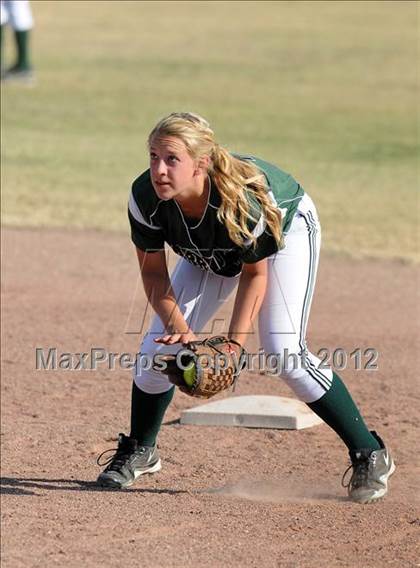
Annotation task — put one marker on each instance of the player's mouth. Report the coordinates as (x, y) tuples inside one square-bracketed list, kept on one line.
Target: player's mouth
[(162, 183)]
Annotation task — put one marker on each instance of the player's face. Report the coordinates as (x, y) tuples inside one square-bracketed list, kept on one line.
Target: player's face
[(173, 171)]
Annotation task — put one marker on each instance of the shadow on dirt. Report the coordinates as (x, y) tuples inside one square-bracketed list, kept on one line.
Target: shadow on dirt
[(26, 486)]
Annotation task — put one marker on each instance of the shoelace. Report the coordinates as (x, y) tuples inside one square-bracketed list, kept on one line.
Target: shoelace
[(118, 459), (360, 471)]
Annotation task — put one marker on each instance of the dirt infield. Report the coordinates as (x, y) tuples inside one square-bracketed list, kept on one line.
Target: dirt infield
[(248, 497)]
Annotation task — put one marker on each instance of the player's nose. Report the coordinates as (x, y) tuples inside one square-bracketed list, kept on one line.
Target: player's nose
[(160, 167)]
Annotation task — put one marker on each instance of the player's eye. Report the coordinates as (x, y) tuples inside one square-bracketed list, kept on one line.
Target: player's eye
[(153, 156), (172, 158)]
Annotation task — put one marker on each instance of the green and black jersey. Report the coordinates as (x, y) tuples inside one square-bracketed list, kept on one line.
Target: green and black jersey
[(206, 242)]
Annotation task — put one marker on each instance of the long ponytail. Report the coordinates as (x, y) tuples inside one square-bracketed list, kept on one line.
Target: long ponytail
[(231, 175)]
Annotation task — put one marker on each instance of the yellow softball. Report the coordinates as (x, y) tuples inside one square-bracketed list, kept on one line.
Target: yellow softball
[(189, 375)]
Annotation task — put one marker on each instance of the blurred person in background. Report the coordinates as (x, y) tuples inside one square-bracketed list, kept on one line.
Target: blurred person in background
[(17, 14)]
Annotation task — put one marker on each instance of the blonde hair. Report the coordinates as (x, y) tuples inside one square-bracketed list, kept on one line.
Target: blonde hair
[(231, 176)]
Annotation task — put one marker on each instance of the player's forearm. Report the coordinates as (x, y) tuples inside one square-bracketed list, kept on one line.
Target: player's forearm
[(162, 298), (248, 301)]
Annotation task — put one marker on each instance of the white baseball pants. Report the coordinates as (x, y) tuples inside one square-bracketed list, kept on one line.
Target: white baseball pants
[(17, 13), (282, 319)]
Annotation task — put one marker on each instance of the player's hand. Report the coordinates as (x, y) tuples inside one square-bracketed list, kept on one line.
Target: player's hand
[(172, 338)]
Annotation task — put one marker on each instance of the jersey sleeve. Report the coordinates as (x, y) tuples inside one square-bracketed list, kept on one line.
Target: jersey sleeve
[(266, 244), (144, 235)]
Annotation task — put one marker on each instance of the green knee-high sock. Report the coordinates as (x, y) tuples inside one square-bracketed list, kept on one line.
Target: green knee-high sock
[(22, 46), (338, 410), (147, 412), (1, 45)]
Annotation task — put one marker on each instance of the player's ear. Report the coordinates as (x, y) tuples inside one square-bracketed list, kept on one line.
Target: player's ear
[(202, 165)]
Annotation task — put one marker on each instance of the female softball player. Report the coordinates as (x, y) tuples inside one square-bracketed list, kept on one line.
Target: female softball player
[(237, 222), (17, 14)]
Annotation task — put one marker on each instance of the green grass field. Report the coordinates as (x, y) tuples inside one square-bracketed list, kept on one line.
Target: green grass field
[(326, 90)]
